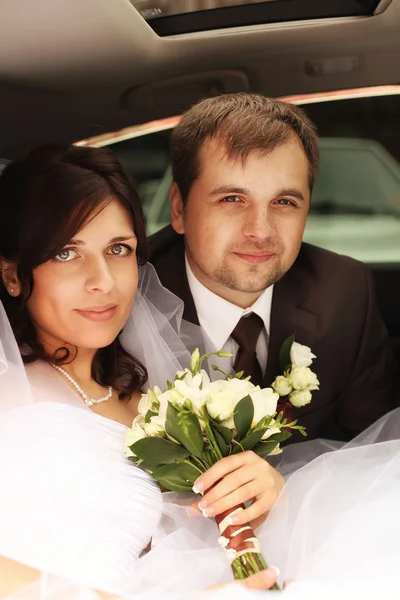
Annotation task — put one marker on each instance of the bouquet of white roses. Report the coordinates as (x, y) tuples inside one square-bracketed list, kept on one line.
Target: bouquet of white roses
[(181, 431)]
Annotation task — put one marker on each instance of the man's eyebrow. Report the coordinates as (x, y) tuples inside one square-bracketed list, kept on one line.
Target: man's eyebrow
[(291, 192), (225, 189), (228, 189), (115, 240)]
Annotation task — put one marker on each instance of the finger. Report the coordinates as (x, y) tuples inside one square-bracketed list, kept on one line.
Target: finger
[(221, 468), (261, 581), (229, 484), (260, 508), (237, 497)]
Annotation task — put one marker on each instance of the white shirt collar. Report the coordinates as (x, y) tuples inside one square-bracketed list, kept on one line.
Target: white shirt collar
[(217, 316)]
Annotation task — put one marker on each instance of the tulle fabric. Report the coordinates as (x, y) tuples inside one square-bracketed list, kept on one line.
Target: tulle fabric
[(73, 507), (156, 334), (334, 531)]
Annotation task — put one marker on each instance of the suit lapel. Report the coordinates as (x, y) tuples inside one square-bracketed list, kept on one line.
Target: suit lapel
[(173, 276), (289, 316)]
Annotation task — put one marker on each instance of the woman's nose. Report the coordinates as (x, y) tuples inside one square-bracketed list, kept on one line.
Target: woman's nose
[(99, 276)]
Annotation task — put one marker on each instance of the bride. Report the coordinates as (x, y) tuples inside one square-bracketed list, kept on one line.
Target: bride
[(72, 239), (72, 257)]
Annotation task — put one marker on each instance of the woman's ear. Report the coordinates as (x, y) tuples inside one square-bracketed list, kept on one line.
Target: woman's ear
[(8, 271)]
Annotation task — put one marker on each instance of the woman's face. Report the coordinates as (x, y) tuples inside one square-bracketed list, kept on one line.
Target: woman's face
[(83, 296)]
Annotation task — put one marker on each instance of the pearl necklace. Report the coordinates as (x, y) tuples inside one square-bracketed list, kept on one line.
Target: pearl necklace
[(88, 401)]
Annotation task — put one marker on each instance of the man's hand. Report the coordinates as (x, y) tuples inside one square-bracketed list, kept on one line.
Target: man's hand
[(237, 479)]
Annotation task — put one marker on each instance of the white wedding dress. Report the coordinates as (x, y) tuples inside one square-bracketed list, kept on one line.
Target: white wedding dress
[(73, 507)]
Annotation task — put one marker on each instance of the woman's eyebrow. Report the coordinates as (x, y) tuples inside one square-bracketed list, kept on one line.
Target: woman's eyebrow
[(115, 240)]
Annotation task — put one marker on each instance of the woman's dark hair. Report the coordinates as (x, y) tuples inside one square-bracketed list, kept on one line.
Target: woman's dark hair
[(45, 199)]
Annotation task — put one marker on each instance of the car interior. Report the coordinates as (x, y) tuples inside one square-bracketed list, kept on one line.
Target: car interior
[(78, 70)]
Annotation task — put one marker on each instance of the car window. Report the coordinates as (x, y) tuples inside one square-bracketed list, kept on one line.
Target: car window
[(355, 207)]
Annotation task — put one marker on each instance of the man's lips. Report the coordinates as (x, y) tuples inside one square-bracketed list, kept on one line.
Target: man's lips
[(98, 313), (255, 256)]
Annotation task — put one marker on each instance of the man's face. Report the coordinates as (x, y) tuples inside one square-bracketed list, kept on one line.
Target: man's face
[(244, 221)]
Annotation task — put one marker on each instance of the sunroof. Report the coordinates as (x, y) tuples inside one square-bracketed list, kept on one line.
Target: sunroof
[(172, 17)]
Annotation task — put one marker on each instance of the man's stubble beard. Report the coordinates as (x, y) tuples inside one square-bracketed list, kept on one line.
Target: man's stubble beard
[(253, 282)]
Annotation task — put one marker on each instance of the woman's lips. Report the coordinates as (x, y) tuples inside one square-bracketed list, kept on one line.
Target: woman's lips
[(98, 315), (255, 257)]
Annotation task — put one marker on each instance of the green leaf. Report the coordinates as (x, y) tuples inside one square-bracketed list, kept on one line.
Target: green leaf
[(226, 433), (158, 451), (243, 416), (284, 354), (177, 478), (184, 427), (223, 446), (263, 449), (250, 441), (282, 436)]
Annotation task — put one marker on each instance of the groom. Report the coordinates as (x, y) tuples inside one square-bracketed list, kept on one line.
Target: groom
[(244, 167)]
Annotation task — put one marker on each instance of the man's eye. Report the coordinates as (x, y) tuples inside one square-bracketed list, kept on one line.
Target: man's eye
[(231, 199), (120, 250), (66, 255), (286, 202)]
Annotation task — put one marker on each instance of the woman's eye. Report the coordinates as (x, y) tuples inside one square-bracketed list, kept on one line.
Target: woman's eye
[(66, 255), (231, 199), (120, 250)]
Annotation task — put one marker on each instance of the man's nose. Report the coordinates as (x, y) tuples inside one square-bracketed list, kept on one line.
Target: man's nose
[(259, 223)]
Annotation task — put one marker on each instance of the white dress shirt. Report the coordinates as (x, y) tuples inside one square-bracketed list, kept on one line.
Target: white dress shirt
[(218, 318)]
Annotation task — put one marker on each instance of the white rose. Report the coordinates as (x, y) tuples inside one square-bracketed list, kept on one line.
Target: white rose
[(264, 403), (145, 403), (155, 427), (135, 433), (303, 378), (224, 395), (221, 406), (301, 355), (282, 385), (165, 398), (300, 398), (194, 388)]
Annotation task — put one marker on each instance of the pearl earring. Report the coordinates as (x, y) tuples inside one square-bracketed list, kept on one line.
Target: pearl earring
[(11, 291)]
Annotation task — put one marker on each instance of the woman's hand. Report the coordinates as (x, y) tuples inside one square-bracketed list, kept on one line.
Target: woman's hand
[(237, 479)]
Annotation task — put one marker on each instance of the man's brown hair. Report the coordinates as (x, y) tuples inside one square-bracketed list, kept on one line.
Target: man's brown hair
[(242, 122)]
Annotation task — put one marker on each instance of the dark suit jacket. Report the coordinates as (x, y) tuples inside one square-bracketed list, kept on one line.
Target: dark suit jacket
[(328, 302)]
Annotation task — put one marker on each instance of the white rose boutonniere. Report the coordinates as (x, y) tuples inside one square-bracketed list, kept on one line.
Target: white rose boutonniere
[(300, 398), (303, 378), (301, 356), (298, 380)]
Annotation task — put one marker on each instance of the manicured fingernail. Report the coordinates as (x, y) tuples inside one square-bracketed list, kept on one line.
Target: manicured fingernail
[(273, 572), (231, 521), (208, 512), (202, 504), (198, 487)]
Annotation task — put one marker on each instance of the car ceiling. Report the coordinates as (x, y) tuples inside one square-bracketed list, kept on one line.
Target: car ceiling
[(71, 69)]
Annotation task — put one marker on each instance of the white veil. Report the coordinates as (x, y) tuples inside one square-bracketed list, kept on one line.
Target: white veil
[(155, 332)]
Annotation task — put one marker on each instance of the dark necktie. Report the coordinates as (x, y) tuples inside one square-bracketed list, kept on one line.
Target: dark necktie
[(246, 334)]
